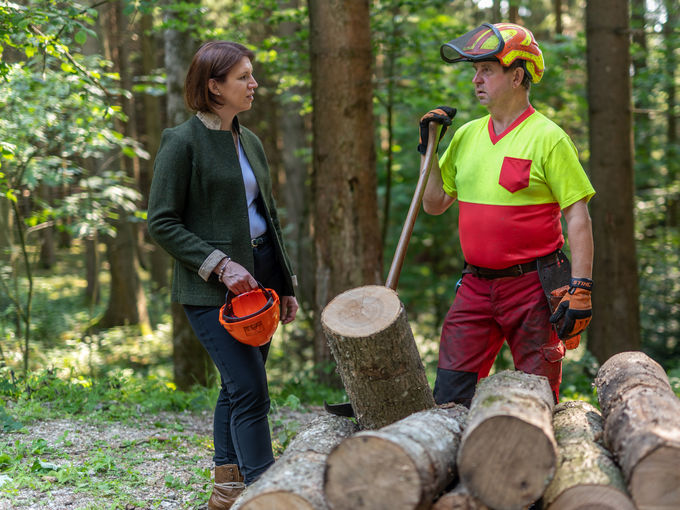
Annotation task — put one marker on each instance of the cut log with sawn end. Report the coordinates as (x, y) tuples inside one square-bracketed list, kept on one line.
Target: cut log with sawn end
[(402, 466), (459, 499), (587, 476), (295, 480), (642, 427), (508, 453), (376, 354)]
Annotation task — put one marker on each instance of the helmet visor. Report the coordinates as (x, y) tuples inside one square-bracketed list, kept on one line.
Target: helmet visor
[(479, 44)]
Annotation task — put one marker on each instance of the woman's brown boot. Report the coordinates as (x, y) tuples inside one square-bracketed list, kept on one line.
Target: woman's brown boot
[(227, 487)]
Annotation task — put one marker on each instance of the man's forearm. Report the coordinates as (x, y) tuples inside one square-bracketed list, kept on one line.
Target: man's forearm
[(580, 235), (435, 199)]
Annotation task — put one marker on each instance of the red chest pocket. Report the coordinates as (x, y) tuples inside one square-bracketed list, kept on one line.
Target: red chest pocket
[(515, 174)]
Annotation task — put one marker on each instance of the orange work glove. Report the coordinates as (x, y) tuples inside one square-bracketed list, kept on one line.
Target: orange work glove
[(574, 311)]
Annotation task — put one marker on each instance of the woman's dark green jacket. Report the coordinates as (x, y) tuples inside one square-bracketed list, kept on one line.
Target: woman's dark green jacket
[(198, 211)]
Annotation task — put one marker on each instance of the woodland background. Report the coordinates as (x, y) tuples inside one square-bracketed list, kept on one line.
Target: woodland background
[(86, 89)]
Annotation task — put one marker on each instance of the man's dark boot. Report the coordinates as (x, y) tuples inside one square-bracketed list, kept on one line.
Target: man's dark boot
[(227, 487)]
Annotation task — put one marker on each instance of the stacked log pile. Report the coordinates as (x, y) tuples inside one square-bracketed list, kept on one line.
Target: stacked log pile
[(642, 427), (404, 465), (459, 498), (586, 475), (295, 480), (508, 452), (512, 450)]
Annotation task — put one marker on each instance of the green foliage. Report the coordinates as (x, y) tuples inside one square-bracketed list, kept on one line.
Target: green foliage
[(53, 125), (7, 424), (57, 117), (45, 395), (657, 178), (578, 375)]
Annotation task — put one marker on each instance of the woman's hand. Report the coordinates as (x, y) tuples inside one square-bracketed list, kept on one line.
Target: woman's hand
[(289, 307), (237, 278)]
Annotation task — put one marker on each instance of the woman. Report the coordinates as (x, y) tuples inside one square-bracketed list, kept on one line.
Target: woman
[(211, 208)]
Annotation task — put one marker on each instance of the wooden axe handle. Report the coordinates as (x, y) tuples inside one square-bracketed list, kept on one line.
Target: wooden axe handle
[(434, 129)]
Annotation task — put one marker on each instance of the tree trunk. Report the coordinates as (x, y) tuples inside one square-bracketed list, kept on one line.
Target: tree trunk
[(92, 264), (127, 302), (344, 181), (7, 251), (559, 27), (496, 15), (189, 360), (513, 11), (159, 266), (48, 254), (297, 195), (459, 499), (404, 465), (643, 134), (295, 480), (508, 454), (642, 427), (586, 474), (616, 323), (377, 357)]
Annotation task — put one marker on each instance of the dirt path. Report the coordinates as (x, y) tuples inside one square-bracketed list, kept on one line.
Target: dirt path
[(162, 461)]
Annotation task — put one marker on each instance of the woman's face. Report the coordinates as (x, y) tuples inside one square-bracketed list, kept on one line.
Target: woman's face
[(237, 91)]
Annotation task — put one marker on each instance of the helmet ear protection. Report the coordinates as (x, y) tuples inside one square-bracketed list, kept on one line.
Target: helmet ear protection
[(251, 317), (501, 42)]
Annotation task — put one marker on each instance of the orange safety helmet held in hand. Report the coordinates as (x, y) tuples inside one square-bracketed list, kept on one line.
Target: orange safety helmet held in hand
[(504, 42), (251, 317)]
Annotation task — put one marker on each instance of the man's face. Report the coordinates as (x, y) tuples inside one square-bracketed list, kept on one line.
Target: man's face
[(492, 84)]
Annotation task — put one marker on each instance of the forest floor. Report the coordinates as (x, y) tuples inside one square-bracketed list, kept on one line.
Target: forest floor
[(159, 461)]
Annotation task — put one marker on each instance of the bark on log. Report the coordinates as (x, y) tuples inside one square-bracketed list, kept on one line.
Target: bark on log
[(508, 452), (295, 480), (404, 465), (587, 475), (376, 355), (642, 427), (459, 499)]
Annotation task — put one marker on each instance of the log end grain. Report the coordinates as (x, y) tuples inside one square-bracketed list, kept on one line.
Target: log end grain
[(599, 497), (387, 479), (507, 462), (361, 312), (655, 481), (280, 500)]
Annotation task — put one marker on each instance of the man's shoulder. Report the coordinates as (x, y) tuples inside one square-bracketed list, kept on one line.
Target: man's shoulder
[(541, 123), (473, 127)]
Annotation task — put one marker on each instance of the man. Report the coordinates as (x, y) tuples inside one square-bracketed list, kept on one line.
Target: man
[(514, 172)]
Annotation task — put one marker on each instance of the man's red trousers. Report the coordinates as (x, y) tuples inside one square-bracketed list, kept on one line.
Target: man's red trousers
[(486, 312)]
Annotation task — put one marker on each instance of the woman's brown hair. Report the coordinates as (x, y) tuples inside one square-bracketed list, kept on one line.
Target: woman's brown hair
[(213, 60)]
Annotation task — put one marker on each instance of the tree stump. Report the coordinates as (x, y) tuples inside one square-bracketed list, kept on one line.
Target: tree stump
[(508, 452), (376, 355), (642, 427), (404, 465), (587, 475), (295, 480), (459, 499)]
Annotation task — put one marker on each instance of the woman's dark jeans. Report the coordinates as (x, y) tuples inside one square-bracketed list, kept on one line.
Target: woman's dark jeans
[(240, 427)]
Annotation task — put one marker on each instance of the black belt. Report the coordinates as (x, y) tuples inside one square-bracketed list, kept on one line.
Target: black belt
[(259, 241), (516, 270)]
